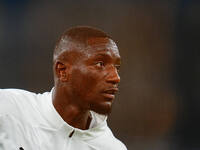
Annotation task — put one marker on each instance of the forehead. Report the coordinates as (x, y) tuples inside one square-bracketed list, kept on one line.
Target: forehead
[(101, 45), (90, 48)]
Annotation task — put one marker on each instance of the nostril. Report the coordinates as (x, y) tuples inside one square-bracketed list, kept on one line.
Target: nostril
[(114, 79), (113, 76)]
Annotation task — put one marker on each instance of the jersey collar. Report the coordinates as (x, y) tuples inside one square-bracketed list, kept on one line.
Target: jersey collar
[(97, 127)]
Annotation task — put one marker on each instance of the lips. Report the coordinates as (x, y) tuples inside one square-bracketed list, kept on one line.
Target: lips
[(110, 93)]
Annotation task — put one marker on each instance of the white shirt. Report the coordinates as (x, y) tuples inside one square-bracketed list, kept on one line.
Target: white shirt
[(30, 121)]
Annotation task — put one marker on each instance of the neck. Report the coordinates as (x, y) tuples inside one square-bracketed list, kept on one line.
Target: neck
[(69, 111)]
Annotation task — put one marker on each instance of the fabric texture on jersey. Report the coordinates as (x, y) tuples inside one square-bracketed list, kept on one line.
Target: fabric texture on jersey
[(30, 121)]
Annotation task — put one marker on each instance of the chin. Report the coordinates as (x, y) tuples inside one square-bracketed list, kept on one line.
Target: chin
[(103, 109)]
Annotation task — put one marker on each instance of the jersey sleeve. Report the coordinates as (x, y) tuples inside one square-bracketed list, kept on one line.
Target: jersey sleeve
[(6, 143), (7, 103), (8, 109)]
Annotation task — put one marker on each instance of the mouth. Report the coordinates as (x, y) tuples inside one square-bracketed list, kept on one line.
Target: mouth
[(110, 93)]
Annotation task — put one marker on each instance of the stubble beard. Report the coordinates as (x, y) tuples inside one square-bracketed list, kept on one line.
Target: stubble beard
[(103, 110)]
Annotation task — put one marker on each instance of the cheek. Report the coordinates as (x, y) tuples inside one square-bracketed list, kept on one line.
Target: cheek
[(91, 81), (85, 82)]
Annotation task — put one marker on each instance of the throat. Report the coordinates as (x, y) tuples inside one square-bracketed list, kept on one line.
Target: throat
[(82, 122), (74, 117), (71, 113)]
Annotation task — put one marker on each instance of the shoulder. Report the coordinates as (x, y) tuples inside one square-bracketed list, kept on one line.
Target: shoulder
[(18, 102), (20, 95), (116, 143), (108, 141), (15, 97), (14, 93)]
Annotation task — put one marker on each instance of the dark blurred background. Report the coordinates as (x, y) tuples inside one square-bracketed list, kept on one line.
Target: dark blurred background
[(158, 107)]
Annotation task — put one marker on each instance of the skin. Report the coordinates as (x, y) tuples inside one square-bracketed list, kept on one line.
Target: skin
[(86, 78)]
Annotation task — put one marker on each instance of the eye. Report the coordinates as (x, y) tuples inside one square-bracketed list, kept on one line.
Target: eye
[(100, 64), (117, 67)]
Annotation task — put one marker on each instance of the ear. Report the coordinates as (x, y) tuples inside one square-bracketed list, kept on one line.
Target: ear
[(62, 71)]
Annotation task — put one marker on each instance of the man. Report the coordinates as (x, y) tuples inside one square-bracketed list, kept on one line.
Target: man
[(73, 115)]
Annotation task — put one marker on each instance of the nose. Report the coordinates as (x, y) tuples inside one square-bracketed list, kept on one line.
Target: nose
[(113, 75)]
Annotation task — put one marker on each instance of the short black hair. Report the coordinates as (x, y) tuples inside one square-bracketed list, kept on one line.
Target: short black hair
[(79, 34)]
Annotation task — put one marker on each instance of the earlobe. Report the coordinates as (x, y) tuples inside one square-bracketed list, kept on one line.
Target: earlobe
[(61, 71)]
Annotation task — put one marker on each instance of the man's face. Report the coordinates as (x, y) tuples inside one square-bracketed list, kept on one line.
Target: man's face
[(94, 78)]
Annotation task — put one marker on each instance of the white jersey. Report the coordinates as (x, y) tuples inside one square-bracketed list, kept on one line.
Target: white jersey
[(29, 121)]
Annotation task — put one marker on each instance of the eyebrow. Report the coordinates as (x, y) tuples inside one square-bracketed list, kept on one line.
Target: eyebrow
[(102, 54), (118, 59)]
